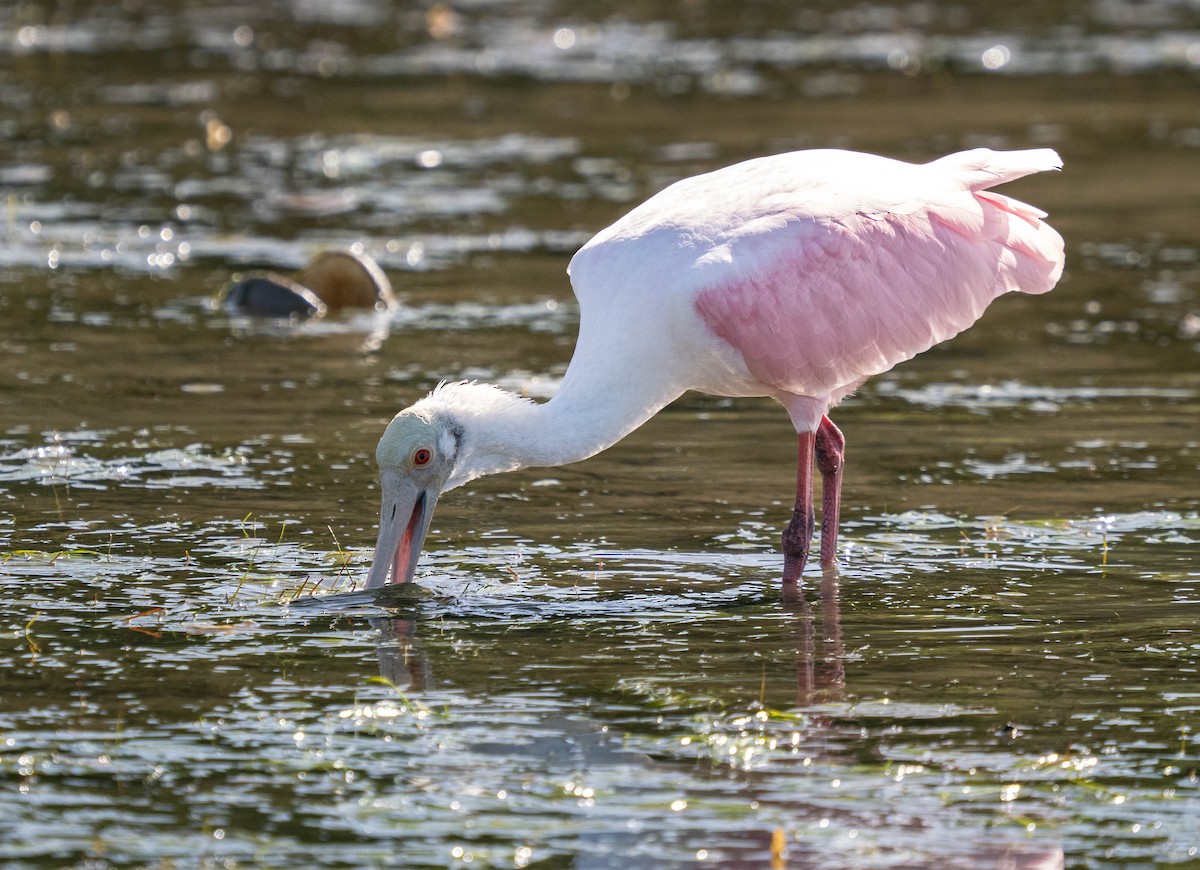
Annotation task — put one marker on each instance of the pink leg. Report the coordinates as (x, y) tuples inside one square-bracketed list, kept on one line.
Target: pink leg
[(797, 537), (830, 451)]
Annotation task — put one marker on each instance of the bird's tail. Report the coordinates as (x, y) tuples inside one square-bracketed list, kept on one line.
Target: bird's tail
[(1033, 260), (982, 168)]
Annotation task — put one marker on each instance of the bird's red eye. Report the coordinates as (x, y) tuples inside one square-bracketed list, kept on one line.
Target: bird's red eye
[(422, 457)]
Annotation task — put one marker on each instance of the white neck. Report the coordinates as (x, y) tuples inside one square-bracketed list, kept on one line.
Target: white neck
[(503, 432)]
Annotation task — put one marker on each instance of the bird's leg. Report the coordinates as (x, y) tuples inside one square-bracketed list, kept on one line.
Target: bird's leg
[(797, 537), (830, 449)]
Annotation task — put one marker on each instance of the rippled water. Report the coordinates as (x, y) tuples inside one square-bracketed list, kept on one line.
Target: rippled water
[(594, 668)]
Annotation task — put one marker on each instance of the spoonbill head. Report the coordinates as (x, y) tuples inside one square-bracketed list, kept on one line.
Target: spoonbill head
[(416, 457), (459, 432), (797, 277)]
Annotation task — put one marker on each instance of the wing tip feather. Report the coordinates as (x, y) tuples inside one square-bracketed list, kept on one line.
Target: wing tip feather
[(983, 168)]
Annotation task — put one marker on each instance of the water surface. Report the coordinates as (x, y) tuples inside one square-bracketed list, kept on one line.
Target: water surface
[(594, 668)]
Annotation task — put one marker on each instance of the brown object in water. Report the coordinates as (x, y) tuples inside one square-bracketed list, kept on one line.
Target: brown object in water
[(331, 281), (341, 279)]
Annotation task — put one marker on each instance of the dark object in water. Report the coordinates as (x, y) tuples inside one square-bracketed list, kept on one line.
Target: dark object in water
[(272, 295), (331, 281)]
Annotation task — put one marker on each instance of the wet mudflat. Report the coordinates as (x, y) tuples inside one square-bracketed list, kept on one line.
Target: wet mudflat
[(594, 668)]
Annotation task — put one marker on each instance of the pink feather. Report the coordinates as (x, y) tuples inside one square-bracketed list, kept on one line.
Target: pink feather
[(821, 268)]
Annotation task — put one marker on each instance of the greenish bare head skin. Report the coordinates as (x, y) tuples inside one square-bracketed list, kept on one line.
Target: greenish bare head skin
[(416, 455), (423, 446)]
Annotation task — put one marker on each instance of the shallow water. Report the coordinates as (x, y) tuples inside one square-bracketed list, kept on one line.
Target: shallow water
[(595, 669)]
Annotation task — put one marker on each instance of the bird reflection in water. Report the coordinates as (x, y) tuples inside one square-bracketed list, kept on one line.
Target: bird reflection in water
[(820, 676), (813, 641), (401, 662)]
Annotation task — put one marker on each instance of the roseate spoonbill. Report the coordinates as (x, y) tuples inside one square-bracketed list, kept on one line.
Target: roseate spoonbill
[(796, 276)]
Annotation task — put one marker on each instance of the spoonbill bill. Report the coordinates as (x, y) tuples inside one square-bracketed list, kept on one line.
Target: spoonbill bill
[(796, 276)]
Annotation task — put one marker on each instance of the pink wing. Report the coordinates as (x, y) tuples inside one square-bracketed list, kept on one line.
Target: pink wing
[(816, 304)]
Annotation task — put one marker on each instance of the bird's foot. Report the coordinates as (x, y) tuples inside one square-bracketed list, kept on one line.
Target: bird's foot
[(790, 592), (829, 553), (797, 542)]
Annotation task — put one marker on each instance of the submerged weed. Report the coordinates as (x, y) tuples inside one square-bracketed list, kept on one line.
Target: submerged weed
[(52, 556)]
